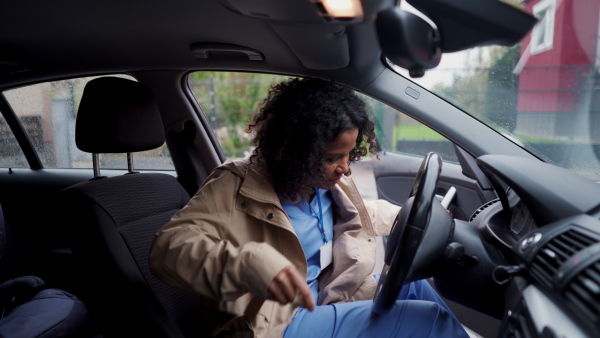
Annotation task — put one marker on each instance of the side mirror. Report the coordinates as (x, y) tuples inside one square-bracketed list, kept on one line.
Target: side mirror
[(408, 41)]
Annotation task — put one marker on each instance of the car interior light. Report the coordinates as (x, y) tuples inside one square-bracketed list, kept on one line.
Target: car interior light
[(343, 8)]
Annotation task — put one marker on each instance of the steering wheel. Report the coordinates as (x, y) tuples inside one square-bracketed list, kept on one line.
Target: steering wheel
[(407, 233)]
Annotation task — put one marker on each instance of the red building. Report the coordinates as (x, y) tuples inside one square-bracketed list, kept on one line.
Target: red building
[(558, 56)]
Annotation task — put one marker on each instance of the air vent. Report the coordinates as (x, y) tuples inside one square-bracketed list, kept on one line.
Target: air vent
[(549, 258), (483, 207), (584, 292)]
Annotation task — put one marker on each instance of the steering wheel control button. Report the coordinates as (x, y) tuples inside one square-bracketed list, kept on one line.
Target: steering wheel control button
[(530, 241)]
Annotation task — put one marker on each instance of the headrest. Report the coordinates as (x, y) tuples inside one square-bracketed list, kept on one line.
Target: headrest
[(117, 116)]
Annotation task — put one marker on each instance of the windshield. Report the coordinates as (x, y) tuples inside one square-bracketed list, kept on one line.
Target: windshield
[(542, 93)]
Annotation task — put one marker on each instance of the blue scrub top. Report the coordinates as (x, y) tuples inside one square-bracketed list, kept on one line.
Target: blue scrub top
[(428, 316), (305, 220)]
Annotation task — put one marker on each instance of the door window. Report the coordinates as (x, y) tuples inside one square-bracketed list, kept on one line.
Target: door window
[(11, 155), (400, 133), (229, 99), (47, 113)]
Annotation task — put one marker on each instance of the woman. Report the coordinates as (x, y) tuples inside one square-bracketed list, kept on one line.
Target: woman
[(282, 243)]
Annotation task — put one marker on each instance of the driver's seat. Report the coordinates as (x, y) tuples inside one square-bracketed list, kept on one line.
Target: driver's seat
[(111, 221)]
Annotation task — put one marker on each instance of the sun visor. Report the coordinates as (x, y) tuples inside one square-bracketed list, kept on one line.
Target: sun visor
[(317, 46)]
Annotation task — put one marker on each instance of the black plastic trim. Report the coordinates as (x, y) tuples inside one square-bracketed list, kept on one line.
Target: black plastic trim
[(15, 126), (200, 113)]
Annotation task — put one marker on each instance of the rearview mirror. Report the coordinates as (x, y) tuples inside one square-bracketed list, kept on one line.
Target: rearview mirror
[(408, 41), (416, 43)]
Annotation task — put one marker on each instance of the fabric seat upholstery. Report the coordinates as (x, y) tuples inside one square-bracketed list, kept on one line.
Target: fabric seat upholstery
[(112, 221)]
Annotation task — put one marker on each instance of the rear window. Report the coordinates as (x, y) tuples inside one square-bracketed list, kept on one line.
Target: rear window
[(47, 113), (11, 154)]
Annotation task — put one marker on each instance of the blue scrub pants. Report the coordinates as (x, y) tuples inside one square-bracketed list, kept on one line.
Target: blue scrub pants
[(419, 312)]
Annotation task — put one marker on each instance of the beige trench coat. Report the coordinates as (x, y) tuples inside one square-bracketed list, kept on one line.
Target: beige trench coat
[(233, 237)]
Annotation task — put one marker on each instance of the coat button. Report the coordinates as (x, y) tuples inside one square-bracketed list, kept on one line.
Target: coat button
[(370, 240), (244, 204), (270, 215)]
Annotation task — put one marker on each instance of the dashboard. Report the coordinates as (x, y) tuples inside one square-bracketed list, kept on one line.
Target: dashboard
[(528, 257), (545, 231)]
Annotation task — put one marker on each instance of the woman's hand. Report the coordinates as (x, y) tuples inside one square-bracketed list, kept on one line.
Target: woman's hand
[(287, 284)]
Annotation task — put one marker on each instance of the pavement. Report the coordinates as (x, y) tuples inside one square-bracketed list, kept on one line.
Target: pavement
[(362, 174)]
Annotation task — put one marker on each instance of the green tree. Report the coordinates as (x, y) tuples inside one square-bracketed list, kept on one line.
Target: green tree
[(228, 100), (488, 88), (502, 90)]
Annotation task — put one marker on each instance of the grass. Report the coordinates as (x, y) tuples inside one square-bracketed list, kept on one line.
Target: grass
[(542, 140), (416, 132)]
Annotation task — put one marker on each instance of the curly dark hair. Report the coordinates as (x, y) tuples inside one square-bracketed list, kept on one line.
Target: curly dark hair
[(295, 123)]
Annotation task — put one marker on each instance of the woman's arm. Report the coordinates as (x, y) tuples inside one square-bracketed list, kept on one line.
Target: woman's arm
[(382, 215), (193, 252), (289, 284)]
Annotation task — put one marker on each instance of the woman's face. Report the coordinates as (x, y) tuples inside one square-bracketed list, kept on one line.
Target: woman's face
[(335, 159)]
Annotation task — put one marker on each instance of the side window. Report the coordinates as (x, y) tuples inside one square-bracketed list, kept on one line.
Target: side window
[(228, 100), (47, 113), (397, 132), (11, 155), (542, 37)]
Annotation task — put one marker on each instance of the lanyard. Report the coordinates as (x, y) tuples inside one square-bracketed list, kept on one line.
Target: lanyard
[(319, 216)]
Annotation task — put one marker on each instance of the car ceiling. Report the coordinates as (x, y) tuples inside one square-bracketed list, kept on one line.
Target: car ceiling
[(45, 40)]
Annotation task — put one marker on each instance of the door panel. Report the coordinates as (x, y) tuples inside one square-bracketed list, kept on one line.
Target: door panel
[(395, 174), (36, 243)]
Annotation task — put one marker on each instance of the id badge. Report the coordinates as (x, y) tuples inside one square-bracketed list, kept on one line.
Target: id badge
[(326, 254)]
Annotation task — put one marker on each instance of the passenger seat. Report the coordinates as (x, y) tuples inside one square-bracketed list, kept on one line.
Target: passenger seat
[(112, 221)]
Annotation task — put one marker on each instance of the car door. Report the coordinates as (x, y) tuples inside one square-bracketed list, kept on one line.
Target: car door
[(228, 99), (404, 143)]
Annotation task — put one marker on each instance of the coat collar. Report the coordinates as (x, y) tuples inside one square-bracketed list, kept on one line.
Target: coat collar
[(256, 184), (352, 214)]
